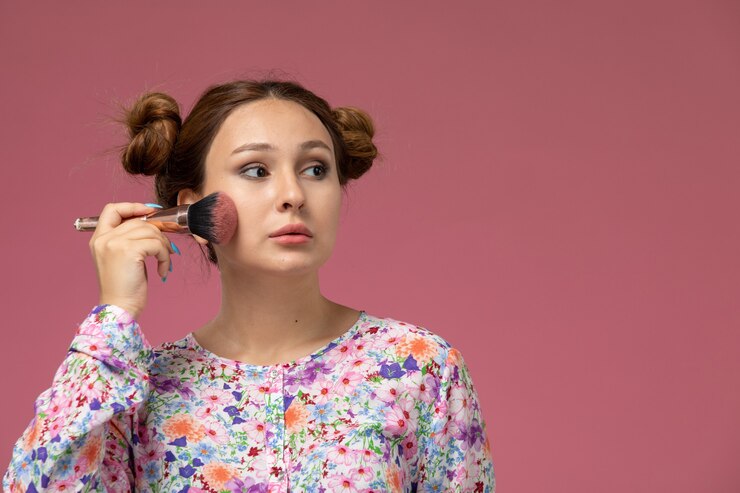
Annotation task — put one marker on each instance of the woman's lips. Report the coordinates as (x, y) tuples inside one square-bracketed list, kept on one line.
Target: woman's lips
[(292, 228), (291, 239)]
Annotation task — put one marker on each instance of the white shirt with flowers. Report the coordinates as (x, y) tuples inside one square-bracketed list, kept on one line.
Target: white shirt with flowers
[(387, 406)]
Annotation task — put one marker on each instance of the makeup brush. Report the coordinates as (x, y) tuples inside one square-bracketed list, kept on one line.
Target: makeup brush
[(213, 217)]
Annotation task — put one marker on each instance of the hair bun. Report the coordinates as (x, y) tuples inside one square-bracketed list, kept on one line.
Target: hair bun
[(357, 131), (153, 124)]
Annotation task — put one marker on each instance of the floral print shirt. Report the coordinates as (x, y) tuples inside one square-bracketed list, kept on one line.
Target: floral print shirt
[(387, 406)]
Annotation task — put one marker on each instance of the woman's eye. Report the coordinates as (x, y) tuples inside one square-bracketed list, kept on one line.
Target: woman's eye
[(322, 169), (318, 170), (244, 171)]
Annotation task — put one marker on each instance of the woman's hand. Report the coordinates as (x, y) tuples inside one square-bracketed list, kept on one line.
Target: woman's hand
[(119, 247)]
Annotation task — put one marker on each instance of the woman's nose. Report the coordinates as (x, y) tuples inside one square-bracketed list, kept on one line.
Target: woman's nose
[(290, 192)]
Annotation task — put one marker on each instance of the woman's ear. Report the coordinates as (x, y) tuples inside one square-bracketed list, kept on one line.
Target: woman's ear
[(188, 196)]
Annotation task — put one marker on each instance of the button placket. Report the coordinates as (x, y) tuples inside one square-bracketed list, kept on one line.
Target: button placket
[(278, 417)]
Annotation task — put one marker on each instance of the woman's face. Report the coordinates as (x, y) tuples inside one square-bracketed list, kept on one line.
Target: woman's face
[(275, 159)]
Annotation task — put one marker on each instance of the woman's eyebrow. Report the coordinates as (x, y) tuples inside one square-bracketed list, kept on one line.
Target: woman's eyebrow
[(311, 144), (253, 147), (262, 146)]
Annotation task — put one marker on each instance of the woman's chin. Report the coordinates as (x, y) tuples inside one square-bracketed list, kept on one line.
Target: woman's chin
[(286, 268)]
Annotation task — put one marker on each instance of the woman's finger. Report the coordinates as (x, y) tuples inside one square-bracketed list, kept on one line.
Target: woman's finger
[(114, 214), (154, 247), (138, 230)]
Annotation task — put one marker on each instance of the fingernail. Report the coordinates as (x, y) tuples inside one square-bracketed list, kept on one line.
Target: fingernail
[(174, 247), (164, 279), (170, 266), (154, 205)]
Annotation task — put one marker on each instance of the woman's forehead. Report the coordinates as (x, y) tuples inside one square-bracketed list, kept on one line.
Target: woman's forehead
[(273, 119)]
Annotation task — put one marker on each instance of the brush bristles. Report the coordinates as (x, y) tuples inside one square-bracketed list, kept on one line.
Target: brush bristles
[(213, 217)]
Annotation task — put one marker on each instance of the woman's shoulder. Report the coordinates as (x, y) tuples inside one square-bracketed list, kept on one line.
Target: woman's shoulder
[(178, 352), (390, 325), (404, 338)]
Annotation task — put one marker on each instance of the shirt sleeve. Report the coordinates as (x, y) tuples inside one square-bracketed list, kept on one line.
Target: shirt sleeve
[(456, 452), (80, 438)]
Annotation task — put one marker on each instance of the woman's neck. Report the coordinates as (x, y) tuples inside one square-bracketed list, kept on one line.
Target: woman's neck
[(272, 318)]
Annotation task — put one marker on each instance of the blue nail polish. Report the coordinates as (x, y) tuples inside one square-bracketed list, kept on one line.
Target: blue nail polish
[(164, 279), (154, 205), (174, 247), (170, 266)]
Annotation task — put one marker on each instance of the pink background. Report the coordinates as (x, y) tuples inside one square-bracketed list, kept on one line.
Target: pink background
[(558, 198)]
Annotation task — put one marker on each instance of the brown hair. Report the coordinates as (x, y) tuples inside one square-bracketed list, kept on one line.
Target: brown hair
[(173, 150)]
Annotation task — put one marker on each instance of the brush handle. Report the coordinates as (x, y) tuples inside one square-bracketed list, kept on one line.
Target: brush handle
[(172, 220)]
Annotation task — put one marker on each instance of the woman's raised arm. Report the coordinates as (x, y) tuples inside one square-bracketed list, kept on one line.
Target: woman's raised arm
[(81, 437)]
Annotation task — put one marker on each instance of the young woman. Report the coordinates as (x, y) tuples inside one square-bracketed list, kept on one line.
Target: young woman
[(284, 390)]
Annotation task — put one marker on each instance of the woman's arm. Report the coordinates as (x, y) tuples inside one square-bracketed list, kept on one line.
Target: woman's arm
[(454, 446), (80, 438)]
